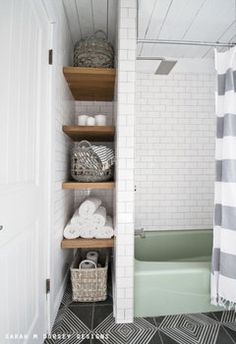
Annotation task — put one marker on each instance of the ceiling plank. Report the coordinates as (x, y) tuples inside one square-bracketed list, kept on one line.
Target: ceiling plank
[(203, 20), (229, 35), (178, 51), (145, 12), (159, 13), (85, 17), (112, 19), (180, 16), (100, 15), (154, 25), (212, 20), (72, 18)]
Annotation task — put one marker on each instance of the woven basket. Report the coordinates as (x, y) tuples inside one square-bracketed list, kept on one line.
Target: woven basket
[(86, 165), (89, 285), (94, 51)]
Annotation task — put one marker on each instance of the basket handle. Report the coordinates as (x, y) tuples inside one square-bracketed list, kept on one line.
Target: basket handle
[(96, 32), (84, 144), (87, 261)]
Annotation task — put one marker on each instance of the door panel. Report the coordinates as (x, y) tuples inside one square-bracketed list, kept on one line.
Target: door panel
[(24, 163)]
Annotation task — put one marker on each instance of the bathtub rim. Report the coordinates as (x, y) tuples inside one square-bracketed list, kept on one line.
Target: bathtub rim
[(190, 231)]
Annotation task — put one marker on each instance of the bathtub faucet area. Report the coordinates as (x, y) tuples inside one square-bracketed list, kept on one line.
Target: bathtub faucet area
[(140, 232)]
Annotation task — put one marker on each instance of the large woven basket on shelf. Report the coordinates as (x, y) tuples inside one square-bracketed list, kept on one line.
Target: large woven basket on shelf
[(86, 165), (94, 51), (89, 285)]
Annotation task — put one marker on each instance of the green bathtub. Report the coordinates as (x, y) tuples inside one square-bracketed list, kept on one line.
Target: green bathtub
[(172, 273)]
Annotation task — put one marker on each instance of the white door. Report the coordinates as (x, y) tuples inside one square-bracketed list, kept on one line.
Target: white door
[(24, 169)]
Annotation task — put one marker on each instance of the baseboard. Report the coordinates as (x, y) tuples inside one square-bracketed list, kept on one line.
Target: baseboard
[(113, 288), (59, 297)]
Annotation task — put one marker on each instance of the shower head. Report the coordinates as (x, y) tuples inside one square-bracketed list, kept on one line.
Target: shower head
[(164, 67)]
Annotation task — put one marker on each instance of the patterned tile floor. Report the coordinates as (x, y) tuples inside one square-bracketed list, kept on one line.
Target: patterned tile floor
[(93, 323)]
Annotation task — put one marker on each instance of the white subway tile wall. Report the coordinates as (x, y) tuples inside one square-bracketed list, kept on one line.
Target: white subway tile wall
[(125, 112), (62, 200), (174, 151)]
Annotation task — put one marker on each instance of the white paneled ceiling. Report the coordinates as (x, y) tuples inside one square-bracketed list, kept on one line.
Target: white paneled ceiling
[(197, 20), (87, 16)]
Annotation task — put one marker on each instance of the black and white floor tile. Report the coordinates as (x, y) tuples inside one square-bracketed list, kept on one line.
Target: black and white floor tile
[(93, 323)]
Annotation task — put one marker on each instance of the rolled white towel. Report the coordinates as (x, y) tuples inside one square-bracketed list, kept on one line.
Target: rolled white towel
[(98, 219), (78, 220), (89, 207), (71, 231), (92, 255), (107, 231), (75, 218), (87, 233)]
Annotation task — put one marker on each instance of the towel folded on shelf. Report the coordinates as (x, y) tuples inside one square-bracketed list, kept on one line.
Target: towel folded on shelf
[(77, 219), (88, 207), (107, 231), (71, 231), (92, 255), (87, 233), (98, 219), (89, 221), (106, 156)]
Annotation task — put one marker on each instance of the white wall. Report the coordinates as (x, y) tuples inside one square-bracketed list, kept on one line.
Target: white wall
[(63, 109), (174, 149)]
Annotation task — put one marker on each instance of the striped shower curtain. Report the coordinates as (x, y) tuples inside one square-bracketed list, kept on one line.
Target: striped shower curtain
[(223, 277)]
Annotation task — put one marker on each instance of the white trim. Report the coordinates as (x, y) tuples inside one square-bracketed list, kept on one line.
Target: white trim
[(50, 175), (113, 277), (58, 299), (47, 161)]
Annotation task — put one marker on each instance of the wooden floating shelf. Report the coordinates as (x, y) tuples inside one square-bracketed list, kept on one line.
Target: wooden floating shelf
[(91, 133), (82, 186), (91, 83), (87, 243)]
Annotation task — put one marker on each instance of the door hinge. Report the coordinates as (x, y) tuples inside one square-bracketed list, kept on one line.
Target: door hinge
[(50, 56), (48, 285)]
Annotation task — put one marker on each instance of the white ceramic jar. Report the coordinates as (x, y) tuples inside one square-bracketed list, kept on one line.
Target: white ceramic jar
[(82, 119), (90, 121), (100, 120)]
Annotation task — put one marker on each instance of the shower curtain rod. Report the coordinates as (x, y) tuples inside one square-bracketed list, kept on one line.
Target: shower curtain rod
[(179, 42)]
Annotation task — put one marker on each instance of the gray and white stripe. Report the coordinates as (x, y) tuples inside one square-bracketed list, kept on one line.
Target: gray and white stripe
[(105, 154), (223, 276)]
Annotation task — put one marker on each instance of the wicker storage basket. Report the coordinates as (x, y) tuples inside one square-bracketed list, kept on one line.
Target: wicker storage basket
[(89, 285), (86, 165), (94, 51)]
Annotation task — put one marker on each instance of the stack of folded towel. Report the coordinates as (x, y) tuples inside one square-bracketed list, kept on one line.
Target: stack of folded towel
[(89, 221)]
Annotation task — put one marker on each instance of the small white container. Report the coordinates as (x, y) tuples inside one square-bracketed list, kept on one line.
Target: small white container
[(100, 120), (82, 119), (90, 121), (92, 255)]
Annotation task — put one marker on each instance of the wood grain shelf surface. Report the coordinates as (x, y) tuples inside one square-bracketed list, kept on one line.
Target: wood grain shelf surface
[(81, 186), (91, 133), (87, 243), (91, 83)]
